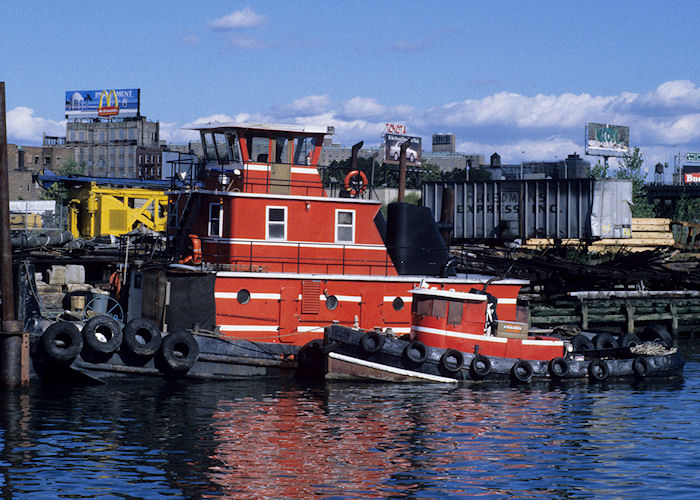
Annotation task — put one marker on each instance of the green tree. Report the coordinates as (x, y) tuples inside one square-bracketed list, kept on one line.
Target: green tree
[(632, 167), (598, 171), (58, 190)]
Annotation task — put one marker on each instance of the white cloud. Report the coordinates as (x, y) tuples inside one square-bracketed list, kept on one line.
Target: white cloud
[(518, 127), (245, 18), (363, 107), (26, 129)]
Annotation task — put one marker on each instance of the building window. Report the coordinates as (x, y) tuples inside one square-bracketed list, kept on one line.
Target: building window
[(276, 223), (36, 160), (216, 219), (345, 226), (47, 160)]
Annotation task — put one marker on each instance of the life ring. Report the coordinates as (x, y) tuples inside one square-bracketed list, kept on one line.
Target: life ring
[(352, 185), (195, 257)]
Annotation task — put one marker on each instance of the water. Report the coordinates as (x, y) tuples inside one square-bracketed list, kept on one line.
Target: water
[(270, 439)]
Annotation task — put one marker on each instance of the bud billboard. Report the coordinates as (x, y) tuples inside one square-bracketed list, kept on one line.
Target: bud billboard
[(103, 103), (392, 149), (607, 140)]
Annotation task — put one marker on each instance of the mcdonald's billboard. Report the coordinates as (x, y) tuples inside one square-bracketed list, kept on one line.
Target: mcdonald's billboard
[(104, 103)]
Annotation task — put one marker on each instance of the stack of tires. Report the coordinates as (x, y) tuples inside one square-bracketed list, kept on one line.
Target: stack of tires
[(137, 343)]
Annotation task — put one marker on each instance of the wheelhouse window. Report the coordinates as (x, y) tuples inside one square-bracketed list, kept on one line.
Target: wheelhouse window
[(216, 219), (282, 152), (345, 226), (303, 150), (259, 148), (208, 146), (276, 223), (425, 306)]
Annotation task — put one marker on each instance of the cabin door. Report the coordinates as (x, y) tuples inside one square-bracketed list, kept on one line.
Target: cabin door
[(280, 178), (280, 166)]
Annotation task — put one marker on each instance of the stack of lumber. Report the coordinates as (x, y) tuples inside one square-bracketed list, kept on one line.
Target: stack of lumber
[(647, 234)]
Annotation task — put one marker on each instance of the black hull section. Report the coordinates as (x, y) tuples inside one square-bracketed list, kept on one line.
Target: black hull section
[(377, 356), (217, 360)]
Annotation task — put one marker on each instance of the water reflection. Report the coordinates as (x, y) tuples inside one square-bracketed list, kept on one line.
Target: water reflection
[(292, 440)]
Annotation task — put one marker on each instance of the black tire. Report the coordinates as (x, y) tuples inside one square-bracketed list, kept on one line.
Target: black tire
[(641, 367), (62, 342), (480, 367), (452, 360), (655, 332), (179, 351), (141, 337), (102, 334), (558, 368), (598, 370), (521, 371), (416, 352), (581, 343), (605, 341), (371, 342), (629, 340)]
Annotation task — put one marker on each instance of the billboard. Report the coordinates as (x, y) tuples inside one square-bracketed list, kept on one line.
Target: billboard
[(104, 103), (607, 140), (691, 174), (392, 149)]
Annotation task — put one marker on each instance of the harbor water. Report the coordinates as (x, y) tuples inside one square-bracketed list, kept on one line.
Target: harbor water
[(290, 439)]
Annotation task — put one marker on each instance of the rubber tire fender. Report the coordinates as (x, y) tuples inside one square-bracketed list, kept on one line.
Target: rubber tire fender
[(581, 343), (558, 368), (521, 371), (141, 337), (179, 351), (109, 328), (605, 341), (452, 360), (629, 340), (641, 367), (62, 341), (657, 333), (598, 370), (416, 351), (371, 342), (480, 367)]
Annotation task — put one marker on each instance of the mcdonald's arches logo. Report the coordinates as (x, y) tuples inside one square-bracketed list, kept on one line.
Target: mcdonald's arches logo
[(106, 98)]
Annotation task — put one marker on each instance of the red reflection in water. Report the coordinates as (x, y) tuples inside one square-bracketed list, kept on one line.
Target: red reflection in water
[(355, 440)]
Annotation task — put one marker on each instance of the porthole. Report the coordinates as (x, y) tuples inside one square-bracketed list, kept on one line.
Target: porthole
[(331, 302), (398, 303), (243, 296)]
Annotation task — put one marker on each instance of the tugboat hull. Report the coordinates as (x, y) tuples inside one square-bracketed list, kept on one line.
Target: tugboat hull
[(349, 353)]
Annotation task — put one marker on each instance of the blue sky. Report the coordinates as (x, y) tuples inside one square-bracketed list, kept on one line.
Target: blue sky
[(520, 78)]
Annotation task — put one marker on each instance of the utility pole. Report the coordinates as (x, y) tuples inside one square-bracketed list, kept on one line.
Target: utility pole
[(11, 373)]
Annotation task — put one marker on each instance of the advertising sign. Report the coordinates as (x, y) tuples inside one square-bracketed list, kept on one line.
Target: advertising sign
[(607, 140), (392, 149), (104, 103), (692, 157), (691, 175)]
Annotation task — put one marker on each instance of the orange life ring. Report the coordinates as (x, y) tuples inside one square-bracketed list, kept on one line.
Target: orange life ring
[(196, 256), (352, 187)]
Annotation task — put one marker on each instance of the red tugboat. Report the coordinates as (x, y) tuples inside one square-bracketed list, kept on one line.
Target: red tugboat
[(265, 259), (454, 337)]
